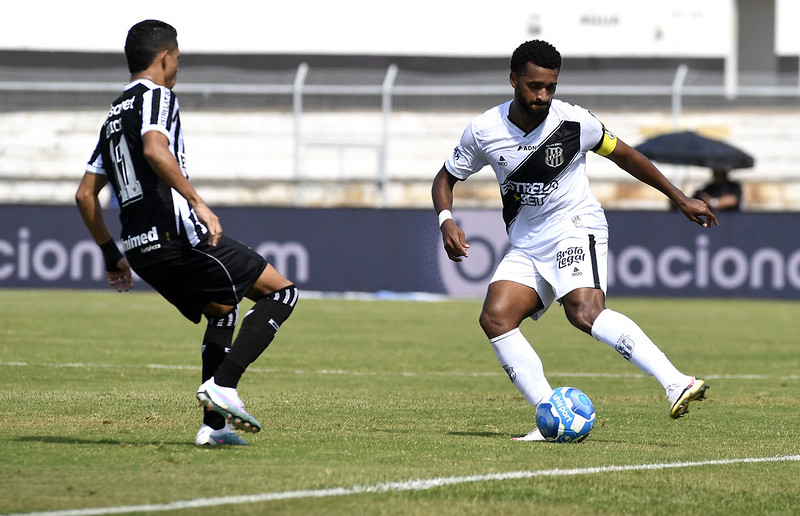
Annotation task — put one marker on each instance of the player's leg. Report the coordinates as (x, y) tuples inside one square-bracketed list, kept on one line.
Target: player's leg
[(275, 298), (631, 342), (216, 346), (222, 276), (506, 305), (582, 272), (217, 339)]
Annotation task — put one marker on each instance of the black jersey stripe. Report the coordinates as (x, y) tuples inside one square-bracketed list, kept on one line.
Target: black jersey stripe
[(593, 258), (172, 114), (535, 177), (155, 106)]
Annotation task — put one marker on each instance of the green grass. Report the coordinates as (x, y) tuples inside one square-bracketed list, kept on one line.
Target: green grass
[(97, 410)]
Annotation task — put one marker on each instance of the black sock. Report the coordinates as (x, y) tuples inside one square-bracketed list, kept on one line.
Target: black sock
[(257, 331), (216, 346)]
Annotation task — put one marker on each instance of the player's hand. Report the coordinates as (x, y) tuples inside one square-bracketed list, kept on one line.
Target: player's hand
[(455, 242), (698, 211), (211, 222), (122, 280)]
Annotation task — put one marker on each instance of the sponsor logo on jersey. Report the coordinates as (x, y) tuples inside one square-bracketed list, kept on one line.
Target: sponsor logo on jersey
[(525, 147), (181, 157), (138, 241), (571, 256), (125, 105), (576, 272), (502, 162), (531, 194)]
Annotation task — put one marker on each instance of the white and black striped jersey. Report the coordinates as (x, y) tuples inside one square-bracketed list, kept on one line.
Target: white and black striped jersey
[(156, 220), (541, 174)]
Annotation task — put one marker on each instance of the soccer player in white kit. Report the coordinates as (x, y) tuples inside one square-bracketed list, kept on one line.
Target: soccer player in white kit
[(537, 147)]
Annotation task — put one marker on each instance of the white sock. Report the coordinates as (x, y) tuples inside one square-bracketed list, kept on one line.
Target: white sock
[(625, 336), (522, 365)]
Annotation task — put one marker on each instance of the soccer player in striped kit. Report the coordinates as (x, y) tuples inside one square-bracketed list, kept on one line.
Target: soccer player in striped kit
[(173, 240), (558, 232)]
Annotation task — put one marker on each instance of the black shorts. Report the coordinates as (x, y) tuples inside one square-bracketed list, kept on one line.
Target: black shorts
[(203, 274)]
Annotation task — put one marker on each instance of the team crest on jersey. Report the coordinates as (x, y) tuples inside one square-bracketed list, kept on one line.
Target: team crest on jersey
[(554, 156)]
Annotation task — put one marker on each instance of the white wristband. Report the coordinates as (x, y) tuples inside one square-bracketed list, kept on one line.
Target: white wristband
[(444, 215)]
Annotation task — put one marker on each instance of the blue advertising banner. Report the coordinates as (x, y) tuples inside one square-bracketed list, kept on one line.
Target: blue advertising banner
[(753, 255)]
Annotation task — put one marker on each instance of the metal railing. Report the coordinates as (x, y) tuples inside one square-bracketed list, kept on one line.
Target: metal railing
[(387, 91)]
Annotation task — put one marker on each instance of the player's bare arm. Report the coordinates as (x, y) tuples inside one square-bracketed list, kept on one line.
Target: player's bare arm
[(158, 155), (89, 207), (636, 164), (455, 242)]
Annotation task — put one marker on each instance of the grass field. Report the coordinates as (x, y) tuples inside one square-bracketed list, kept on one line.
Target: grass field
[(391, 407)]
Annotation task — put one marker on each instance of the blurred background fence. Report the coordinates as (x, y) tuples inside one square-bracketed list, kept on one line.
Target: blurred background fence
[(324, 137)]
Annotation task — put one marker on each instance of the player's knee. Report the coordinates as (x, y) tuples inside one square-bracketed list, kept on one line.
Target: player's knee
[(217, 310), (493, 323), (582, 317), (278, 305), (227, 320)]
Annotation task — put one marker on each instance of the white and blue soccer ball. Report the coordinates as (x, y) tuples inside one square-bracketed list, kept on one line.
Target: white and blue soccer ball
[(567, 416)]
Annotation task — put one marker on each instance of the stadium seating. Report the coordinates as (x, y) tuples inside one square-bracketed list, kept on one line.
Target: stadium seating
[(254, 158)]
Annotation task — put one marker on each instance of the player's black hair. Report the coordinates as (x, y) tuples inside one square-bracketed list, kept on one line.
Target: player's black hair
[(540, 53), (145, 40)]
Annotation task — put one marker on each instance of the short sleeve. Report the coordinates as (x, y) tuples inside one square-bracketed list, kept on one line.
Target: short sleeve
[(157, 110), (594, 136), (467, 158), (96, 165)]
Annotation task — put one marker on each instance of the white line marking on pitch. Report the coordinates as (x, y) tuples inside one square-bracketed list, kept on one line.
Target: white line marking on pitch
[(408, 485), (346, 372)]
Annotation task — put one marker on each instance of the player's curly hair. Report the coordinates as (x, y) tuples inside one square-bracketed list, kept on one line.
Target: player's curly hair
[(540, 53), (145, 40)]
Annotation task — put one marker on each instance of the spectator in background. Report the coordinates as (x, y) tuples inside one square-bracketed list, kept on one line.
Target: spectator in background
[(721, 194)]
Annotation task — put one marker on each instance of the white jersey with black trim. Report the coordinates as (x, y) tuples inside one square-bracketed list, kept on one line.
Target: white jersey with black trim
[(156, 219), (541, 174)]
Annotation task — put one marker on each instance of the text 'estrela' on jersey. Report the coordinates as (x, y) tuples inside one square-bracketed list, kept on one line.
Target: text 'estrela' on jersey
[(156, 220), (541, 174)]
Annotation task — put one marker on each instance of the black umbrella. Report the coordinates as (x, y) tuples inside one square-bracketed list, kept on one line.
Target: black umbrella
[(689, 148)]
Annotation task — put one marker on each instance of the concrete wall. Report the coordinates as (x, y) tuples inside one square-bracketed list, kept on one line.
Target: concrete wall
[(248, 158)]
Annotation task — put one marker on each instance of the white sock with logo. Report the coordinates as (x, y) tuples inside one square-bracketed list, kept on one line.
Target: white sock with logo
[(625, 336), (523, 366)]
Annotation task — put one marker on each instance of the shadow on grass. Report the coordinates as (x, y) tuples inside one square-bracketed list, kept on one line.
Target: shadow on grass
[(479, 434), (54, 439)]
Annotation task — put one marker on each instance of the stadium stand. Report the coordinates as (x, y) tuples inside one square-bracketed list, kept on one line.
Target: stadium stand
[(375, 136)]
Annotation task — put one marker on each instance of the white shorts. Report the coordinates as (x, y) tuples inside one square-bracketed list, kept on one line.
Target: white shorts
[(579, 259)]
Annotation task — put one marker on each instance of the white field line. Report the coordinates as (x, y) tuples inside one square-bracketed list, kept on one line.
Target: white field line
[(345, 372), (407, 485)]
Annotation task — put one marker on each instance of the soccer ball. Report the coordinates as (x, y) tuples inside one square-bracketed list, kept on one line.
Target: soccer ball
[(567, 416)]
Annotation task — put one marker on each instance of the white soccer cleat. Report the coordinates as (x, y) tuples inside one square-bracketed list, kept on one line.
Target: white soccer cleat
[(207, 436), (226, 401), (679, 402), (533, 435)]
